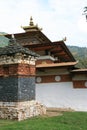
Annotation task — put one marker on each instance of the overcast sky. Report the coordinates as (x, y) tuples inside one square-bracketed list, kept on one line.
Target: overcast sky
[(58, 18)]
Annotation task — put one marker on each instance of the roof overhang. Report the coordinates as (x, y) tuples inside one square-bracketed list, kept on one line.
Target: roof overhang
[(37, 34), (58, 49), (65, 64), (79, 71)]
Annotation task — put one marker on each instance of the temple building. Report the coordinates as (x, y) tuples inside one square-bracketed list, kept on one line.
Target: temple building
[(59, 84)]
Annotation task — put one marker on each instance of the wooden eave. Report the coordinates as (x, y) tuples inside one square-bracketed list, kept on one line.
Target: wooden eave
[(78, 71), (46, 45), (64, 64), (25, 35), (58, 49), (65, 50)]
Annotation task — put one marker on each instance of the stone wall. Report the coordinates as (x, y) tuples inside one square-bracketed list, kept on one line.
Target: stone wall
[(21, 110), (13, 89), (17, 84), (17, 58)]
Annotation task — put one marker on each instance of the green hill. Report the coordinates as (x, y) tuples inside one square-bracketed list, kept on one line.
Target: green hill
[(80, 54)]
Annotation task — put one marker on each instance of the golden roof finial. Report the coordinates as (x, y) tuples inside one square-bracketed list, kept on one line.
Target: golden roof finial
[(31, 21), (65, 39), (32, 26)]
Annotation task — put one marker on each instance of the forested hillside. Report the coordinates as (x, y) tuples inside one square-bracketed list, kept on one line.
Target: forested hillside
[(80, 53), (3, 40)]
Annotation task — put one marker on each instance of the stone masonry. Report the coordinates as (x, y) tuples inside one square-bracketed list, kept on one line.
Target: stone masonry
[(17, 83), (21, 110)]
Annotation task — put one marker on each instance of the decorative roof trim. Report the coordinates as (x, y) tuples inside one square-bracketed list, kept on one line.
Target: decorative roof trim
[(56, 64)]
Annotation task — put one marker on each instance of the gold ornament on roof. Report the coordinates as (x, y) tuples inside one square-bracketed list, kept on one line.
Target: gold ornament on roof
[(31, 26), (31, 21)]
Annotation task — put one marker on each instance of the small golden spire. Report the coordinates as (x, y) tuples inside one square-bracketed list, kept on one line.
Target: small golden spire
[(65, 39), (31, 21), (32, 26)]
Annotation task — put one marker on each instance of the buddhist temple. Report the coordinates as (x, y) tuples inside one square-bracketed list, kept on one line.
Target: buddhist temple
[(59, 84)]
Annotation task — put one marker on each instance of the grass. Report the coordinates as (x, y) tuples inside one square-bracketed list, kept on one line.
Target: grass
[(67, 121)]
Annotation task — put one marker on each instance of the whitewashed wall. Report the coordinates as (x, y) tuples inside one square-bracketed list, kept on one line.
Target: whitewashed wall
[(62, 95)]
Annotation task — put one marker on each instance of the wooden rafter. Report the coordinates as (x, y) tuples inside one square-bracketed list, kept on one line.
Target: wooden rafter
[(40, 48)]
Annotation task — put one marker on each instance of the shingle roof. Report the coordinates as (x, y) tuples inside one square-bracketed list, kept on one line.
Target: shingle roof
[(13, 48)]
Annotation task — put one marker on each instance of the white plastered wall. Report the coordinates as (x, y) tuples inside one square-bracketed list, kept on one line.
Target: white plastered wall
[(62, 95)]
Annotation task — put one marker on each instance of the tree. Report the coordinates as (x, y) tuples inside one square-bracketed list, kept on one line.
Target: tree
[(85, 9), (85, 12)]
